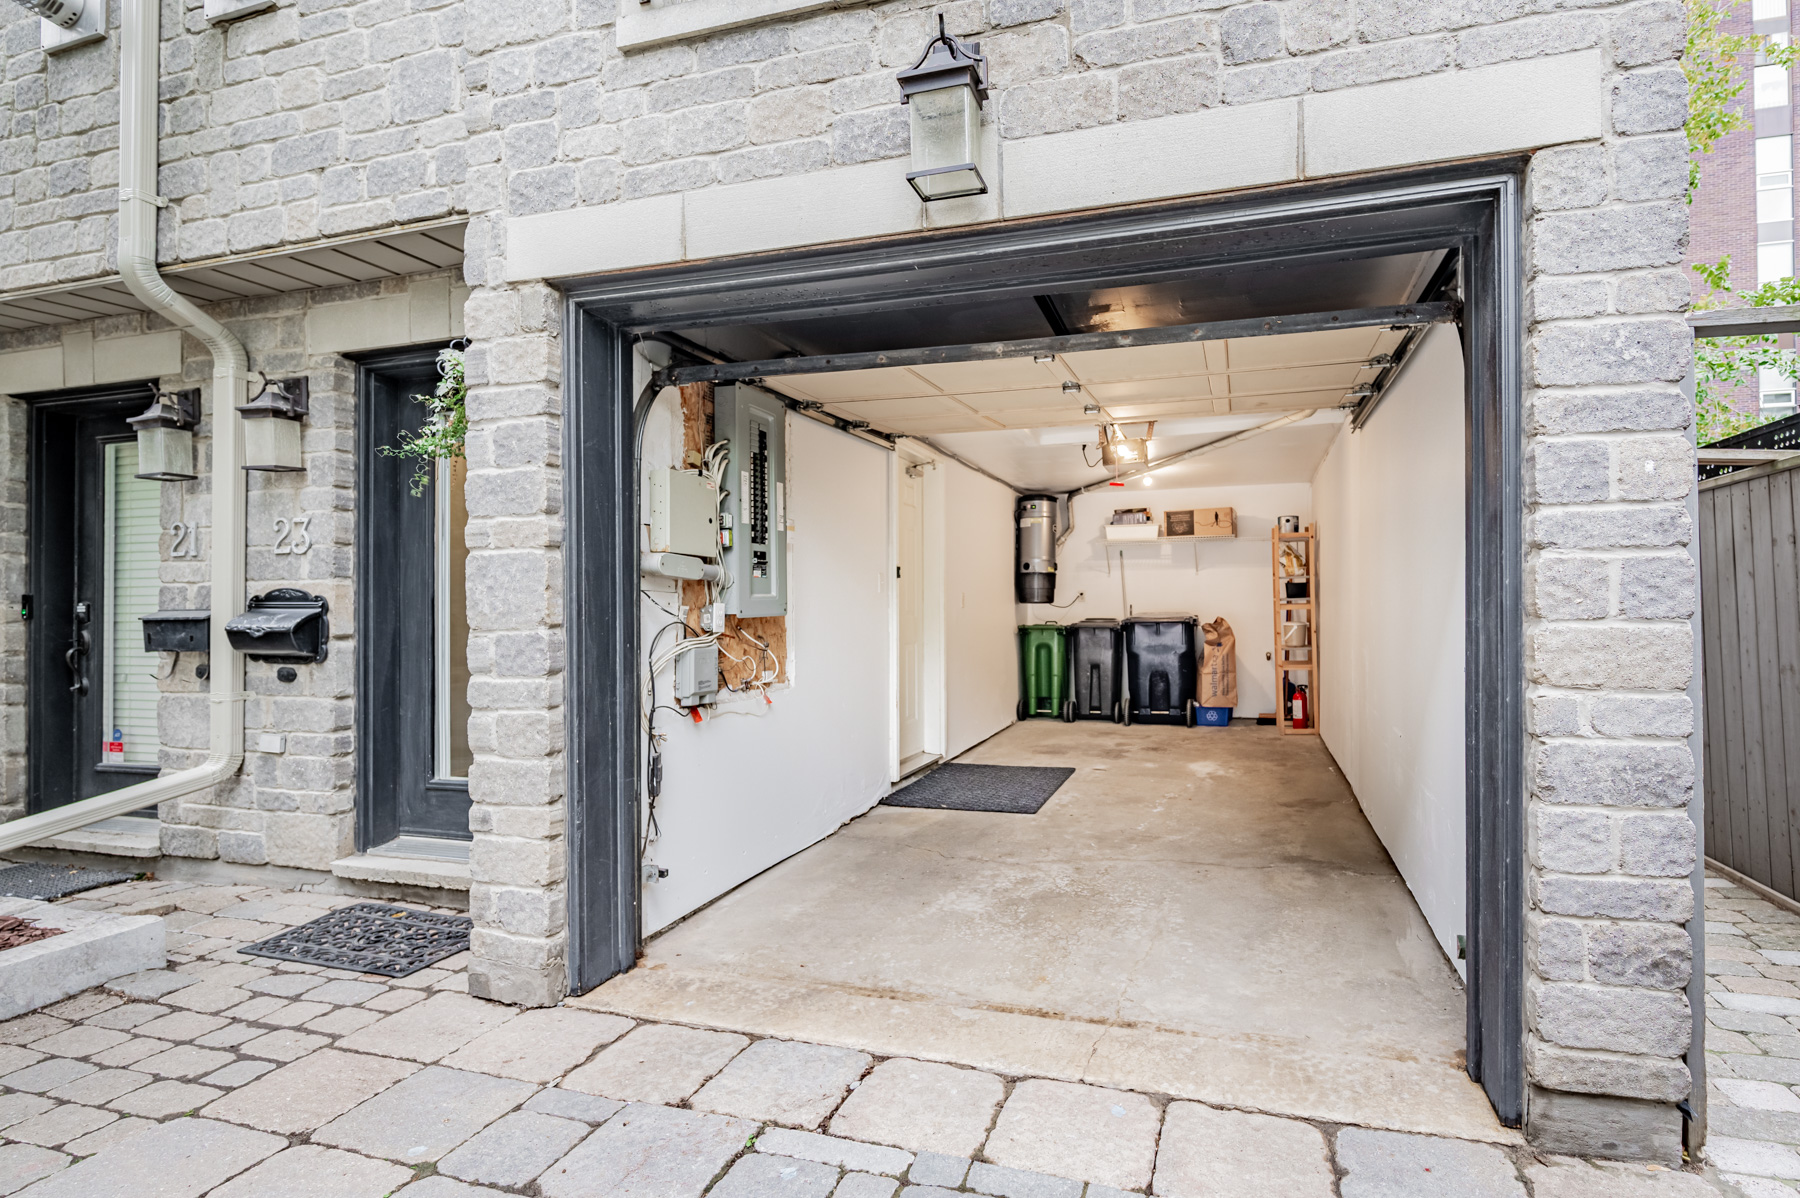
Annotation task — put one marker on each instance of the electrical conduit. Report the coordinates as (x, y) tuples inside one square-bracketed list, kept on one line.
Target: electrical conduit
[(138, 204)]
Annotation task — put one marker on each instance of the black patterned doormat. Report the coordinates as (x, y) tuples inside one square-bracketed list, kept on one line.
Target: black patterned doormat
[(1013, 789), (39, 880), (370, 938)]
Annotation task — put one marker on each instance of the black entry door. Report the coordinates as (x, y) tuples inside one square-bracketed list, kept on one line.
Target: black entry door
[(94, 552), (412, 650)]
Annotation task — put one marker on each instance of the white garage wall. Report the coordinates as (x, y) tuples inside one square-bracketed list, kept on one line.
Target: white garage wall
[(1390, 503), (745, 790), (981, 668), (1232, 580)]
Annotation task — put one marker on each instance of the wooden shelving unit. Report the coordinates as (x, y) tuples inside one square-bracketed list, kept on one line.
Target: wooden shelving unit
[(1291, 658)]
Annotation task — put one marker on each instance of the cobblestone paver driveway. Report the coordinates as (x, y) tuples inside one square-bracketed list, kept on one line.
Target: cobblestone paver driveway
[(240, 1077)]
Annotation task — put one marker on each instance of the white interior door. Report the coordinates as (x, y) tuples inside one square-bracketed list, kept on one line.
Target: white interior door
[(910, 602)]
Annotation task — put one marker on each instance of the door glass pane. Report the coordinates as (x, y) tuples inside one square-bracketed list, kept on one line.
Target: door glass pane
[(133, 575), (452, 623)]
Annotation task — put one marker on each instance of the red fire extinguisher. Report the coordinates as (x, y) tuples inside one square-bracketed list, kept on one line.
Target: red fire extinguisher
[(1299, 707)]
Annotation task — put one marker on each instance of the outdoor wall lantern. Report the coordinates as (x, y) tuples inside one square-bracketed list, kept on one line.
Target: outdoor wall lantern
[(165, 436), (944, 91), (272, 422)]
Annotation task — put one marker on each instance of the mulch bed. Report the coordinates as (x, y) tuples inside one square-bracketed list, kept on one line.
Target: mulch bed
[(15, 932)]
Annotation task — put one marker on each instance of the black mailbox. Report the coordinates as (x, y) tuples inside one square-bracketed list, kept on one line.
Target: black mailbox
[(177, 631), (283, 625)]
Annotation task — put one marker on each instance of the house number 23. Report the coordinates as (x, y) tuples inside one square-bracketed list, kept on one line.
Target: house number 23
[(291, 536)]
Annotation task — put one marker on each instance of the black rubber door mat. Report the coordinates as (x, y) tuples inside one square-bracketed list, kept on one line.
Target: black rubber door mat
[(1011, 789), (36, 880), (370, 938)]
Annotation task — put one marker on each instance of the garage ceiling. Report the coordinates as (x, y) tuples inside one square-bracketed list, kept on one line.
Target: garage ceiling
[(1273, 374)]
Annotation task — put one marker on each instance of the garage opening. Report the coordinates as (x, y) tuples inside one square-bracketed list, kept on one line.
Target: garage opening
[(1253, 888)]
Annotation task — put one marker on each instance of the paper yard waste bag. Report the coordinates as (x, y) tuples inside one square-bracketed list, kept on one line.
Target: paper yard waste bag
[(1218, 668)]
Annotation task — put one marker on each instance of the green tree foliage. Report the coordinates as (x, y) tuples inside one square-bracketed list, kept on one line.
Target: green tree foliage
[(1714, 64)]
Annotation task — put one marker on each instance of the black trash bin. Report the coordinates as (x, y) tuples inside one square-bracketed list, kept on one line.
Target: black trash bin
[(1094, 651), (1162, 669)]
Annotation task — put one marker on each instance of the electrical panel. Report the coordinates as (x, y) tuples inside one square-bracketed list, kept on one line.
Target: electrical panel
[(755, 534), (684, 513)]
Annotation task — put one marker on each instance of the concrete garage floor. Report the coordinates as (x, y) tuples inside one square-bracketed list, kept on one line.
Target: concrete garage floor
[(1199, 913)]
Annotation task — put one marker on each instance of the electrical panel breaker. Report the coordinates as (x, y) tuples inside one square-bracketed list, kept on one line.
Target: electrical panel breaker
[(755, 423)]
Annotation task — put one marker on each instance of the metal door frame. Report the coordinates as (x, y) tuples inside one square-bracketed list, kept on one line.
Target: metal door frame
[(1474, 207)]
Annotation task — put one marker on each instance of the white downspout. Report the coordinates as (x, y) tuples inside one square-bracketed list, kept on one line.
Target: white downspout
[(138, 203)]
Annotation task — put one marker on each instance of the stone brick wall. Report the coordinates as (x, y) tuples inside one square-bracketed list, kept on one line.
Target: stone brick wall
[(1610, 591), (293, 802), (316, 119)]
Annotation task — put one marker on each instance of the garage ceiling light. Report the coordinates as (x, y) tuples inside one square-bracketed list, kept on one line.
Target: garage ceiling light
[(944, 91)]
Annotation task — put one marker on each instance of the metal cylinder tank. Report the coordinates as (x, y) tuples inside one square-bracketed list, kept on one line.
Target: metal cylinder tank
[(1037, 549)]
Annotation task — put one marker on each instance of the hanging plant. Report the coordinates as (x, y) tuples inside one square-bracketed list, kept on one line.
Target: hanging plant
[(446, 426)]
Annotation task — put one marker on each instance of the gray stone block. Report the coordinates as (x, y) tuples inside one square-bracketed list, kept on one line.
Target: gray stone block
[(937, 1169), (921, 1106), (760, 1175), (1206, 1151), (779, 1081), (1003, 1182), (865, 1185), (848, 1154), (22, 1164), (572, 1104), (515, 1150), (648, 1150), (658, 1063), (308, 1171), (1603, 1126), (188, 1157), (1067, 1130), (1384, 1164), (425, 1116), (1250, 32), (95, 948)]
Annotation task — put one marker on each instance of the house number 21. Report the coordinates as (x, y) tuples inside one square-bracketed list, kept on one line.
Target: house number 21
[(291, 536)]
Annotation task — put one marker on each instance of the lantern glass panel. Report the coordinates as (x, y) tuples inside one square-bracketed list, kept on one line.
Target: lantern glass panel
[(272, 443), (166, 454), (946, 128)]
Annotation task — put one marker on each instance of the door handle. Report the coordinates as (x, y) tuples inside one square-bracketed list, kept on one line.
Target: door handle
[(78, 651)]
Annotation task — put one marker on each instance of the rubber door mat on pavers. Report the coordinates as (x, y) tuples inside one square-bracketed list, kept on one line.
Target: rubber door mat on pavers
[(1012, 789), (37, 880), (370, 938)]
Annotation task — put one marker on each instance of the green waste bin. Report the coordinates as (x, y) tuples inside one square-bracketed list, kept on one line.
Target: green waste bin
[(1043, 670)]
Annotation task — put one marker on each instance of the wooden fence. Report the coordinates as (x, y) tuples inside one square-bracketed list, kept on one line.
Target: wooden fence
[(1750, 627)]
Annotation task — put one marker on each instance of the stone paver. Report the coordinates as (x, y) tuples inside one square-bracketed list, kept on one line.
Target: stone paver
[(22, 1164), (55, 1127), (286, 1045), (656, 1063), (341, 1021), (186, 1157), (47, 1075), (107, 1136), (1208, 1153), (129, 1016), (760, 1175), (310, 1092), (539, 1046), (206, 996), (345, 993), (425, 1116), (80, 1041), (152, 983), (938, 1169), (444, 1187), (1003, 1182), (865, 1185), (848, 1154), (185, 1061), (514, 1150), (572, 1104), (15, 1108), (13, 1058), (921, 1105), (308, 1171), (1564, 1177), (1069, 1130), (648, 1152), (778, 1081), (159, 1100), (181, 1025), (130, 1052), (429, 1030), (285, 985), (238, 1073), (1390, 1164)]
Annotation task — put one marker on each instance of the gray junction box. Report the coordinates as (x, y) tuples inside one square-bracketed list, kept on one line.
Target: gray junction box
[(755, 423)]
